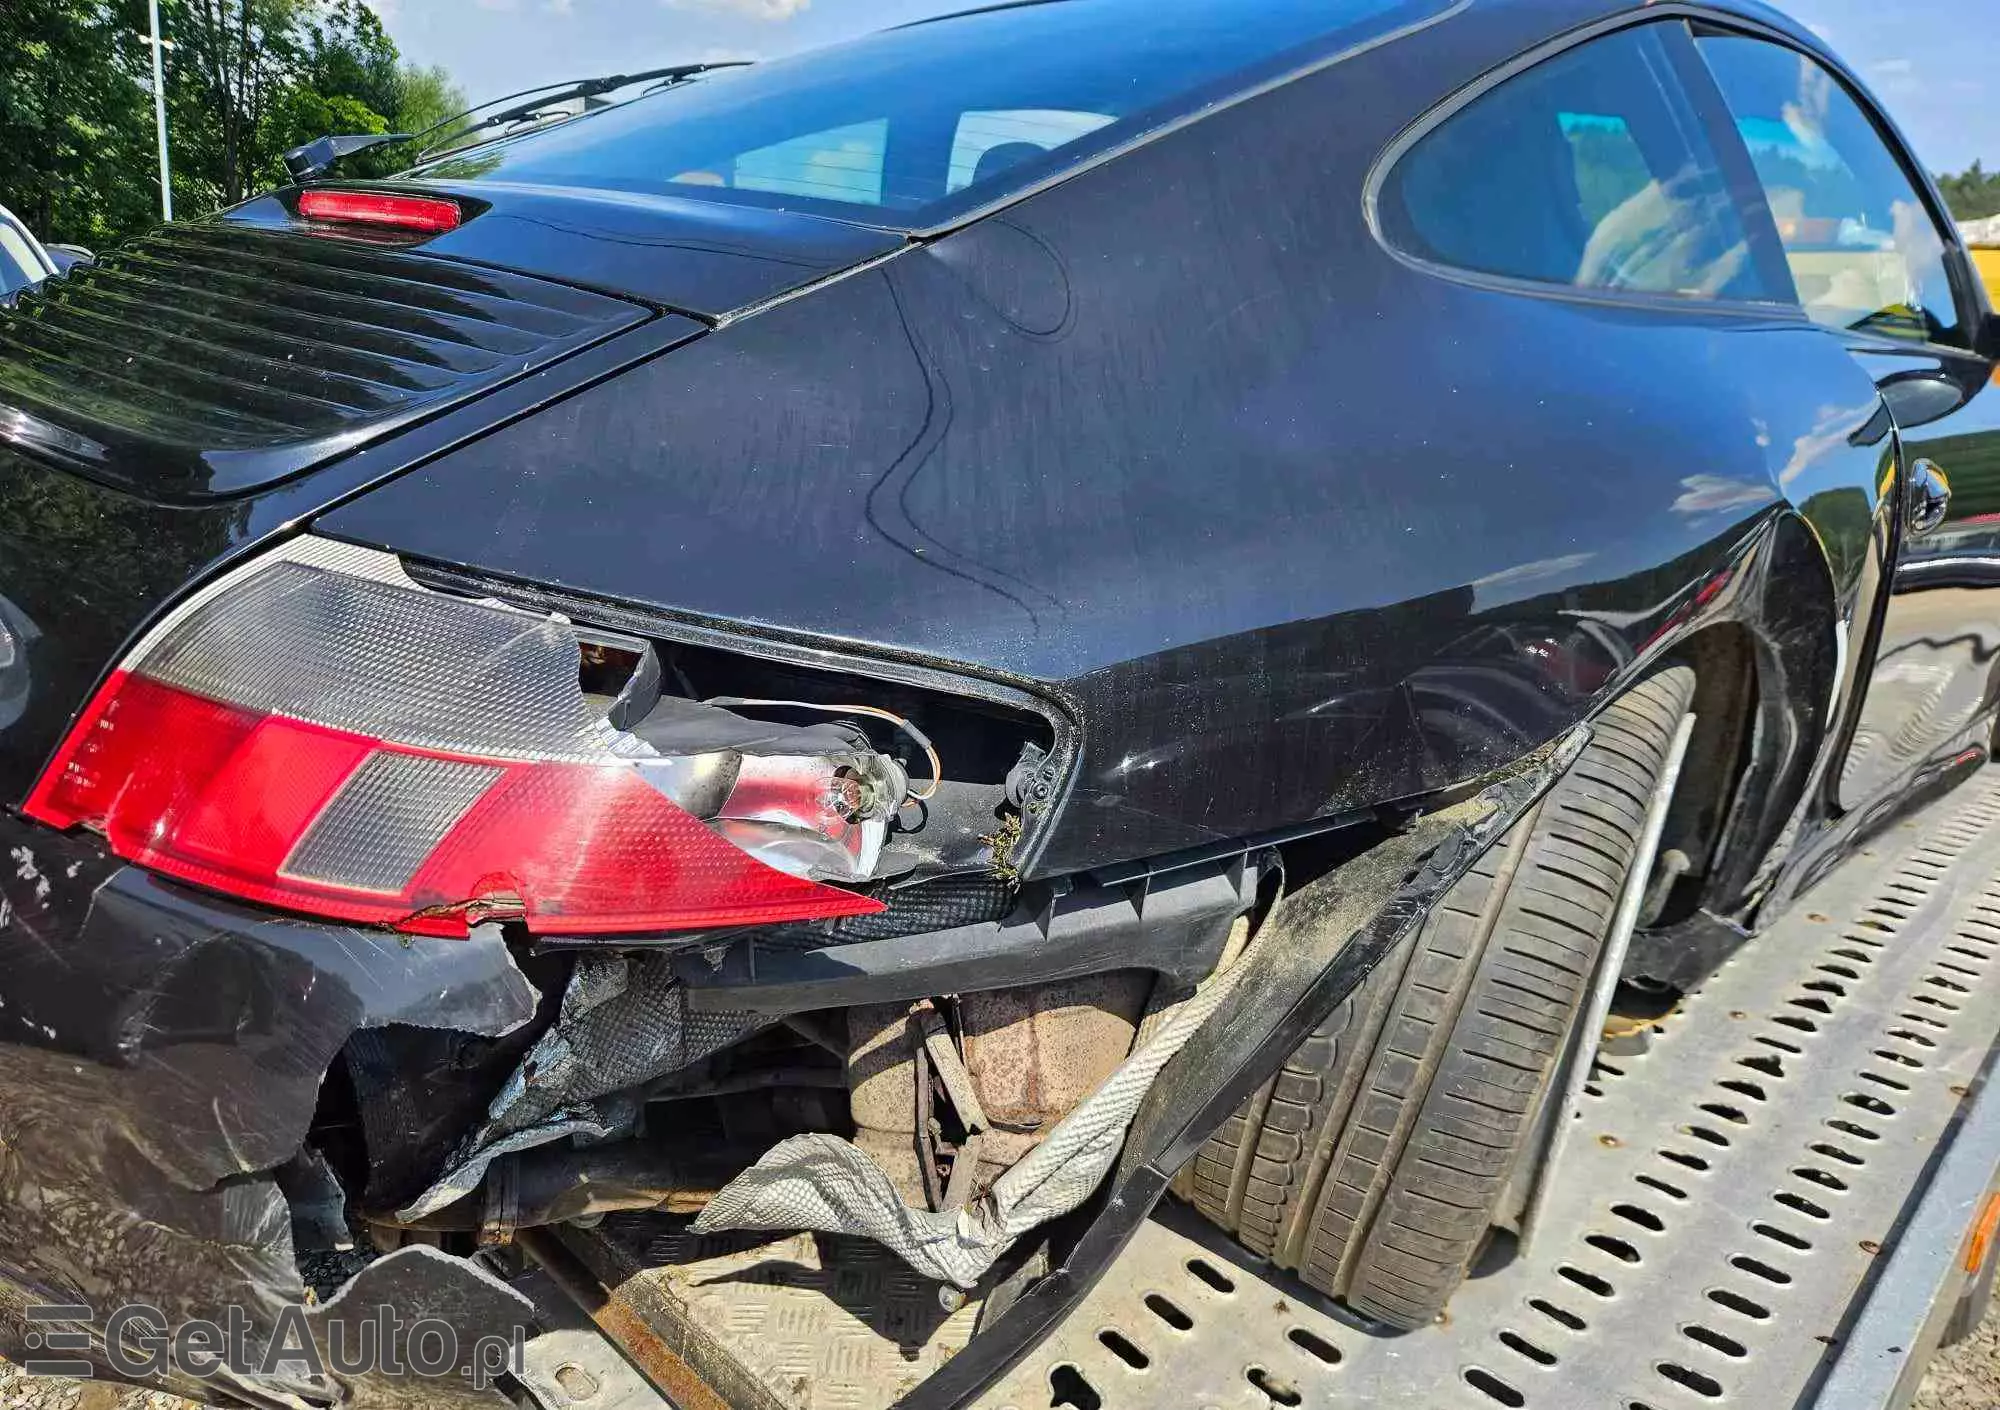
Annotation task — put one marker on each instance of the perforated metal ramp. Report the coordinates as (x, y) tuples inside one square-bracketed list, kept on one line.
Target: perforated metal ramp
[(1716, 1220)]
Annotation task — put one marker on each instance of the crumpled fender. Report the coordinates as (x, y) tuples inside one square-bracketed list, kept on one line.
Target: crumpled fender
[(160, 1054)]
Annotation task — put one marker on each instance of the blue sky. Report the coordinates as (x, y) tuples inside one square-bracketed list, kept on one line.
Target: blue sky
[(1936, 63)]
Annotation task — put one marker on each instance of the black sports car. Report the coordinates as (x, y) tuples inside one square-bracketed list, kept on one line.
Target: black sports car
[(924, 641)]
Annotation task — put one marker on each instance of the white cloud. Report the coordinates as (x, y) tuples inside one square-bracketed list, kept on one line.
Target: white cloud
[(560, 7), (1895, 77), (387, 11), (1822, 31), (1511, 584), (1710, 494), (772, 10)]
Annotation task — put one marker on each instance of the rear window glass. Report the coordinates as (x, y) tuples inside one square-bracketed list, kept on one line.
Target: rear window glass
[(987, 143), (905, 127), (840, 164), (1589, 170)]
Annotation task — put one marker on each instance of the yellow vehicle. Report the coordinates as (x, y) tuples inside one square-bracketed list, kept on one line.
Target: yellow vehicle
[(1988, 261), (1984, 238)]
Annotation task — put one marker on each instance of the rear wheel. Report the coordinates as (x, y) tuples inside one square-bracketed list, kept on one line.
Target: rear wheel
[(1375, 1162)]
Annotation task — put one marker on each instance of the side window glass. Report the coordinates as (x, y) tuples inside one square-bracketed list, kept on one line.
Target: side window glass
[(991, 140), (1590, 170), (1864, 251)]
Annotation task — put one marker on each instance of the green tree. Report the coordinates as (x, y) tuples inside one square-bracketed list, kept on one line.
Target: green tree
[(344, 75), (245, 80), (303, 113), (235, 62), (1973, 194), (347, 54), (425, 98), (75, 124)]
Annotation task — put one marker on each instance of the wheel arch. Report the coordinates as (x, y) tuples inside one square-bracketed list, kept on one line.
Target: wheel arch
[(1778, 665)]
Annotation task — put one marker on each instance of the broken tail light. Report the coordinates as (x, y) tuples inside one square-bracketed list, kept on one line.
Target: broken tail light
[(318, 732)]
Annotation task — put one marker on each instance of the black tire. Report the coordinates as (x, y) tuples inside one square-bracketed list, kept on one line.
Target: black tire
[(1375, 1162)]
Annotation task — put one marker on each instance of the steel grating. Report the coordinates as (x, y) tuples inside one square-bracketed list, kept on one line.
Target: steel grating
[(825, 1322), (1707, 1236)]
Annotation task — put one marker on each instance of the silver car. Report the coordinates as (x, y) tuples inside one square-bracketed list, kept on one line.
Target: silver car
[(23, 260)]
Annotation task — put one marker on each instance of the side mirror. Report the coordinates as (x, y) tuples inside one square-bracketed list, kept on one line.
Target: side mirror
[(1919, 398)]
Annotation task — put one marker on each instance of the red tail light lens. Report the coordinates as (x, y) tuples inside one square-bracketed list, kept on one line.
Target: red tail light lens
[(318, 733), (430, 215)]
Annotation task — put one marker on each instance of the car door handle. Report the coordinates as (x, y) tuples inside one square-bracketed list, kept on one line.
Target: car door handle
[(1930, 497)]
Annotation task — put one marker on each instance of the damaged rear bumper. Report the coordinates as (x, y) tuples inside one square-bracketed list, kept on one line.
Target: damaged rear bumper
[(161, 1059)]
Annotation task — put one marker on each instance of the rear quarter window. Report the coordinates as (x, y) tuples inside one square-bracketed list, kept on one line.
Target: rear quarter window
[(1590, 170)]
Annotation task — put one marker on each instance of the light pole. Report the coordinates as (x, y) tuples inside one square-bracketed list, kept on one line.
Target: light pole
[(160, 111)]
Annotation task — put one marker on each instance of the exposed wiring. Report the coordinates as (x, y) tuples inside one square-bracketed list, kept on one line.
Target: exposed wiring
[(923, 741)]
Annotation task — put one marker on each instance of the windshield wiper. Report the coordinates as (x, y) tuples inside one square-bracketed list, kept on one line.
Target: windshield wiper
[(317, 157)]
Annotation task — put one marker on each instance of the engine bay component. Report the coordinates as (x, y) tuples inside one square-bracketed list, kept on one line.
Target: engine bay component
[(317, 731), (884, 1097), (553, 1185), (823, 1183), (1036, 1052), (947, 1065), (1174, 925)]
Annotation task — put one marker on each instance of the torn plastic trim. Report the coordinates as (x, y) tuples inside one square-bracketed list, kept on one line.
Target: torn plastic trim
[(1174, 925), (625, 1022), (207, 1027), (1326, 939), (426, 1284)]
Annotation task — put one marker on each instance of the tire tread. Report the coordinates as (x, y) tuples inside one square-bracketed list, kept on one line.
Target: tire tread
[(1375, 1161)]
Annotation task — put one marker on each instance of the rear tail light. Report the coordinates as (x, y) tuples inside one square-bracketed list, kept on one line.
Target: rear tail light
[(318, 732), (430, 215)]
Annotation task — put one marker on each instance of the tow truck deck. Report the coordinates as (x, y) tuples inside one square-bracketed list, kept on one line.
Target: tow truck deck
[(1782, 1201)]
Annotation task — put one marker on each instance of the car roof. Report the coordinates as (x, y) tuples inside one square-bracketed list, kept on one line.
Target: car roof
[(35, 248)]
